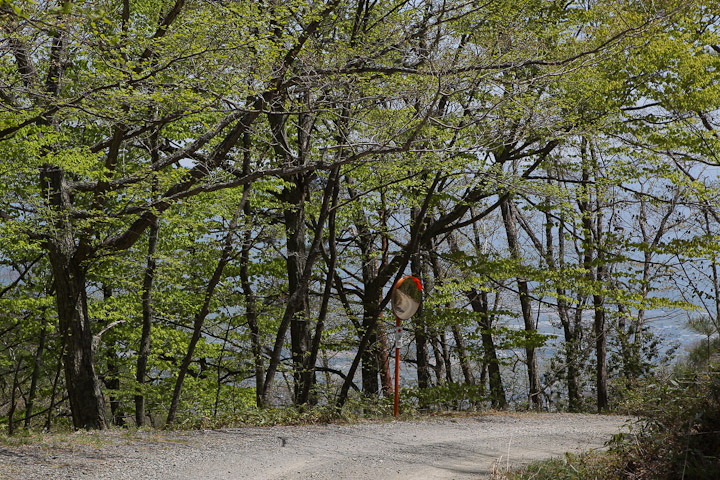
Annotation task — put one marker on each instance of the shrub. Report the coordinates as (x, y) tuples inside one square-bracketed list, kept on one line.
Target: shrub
[(679, 434)]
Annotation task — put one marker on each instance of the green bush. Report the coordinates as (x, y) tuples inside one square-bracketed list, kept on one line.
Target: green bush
[(676, 436), (679, 434)]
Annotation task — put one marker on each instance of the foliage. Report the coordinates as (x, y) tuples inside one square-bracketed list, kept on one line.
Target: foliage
[(676, 435)]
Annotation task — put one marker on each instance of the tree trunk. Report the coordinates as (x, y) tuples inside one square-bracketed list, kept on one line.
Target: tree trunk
[(147, 317), (446, 357), (221, 355), (510, 224), (421, 264), (600, 347), (386, 379), (294, 213), (112, 379), (371, 312), (348, 380), (202, 314), (13, 402), (463, 355), (600, 332), (82, 382), (35, 373), (421, 338), (421, 351), (375, 355), (296, 299), (247, 289), (112, 384), (251, 313), (56, 381), (384, 361), (457, 333), (439, 368), (296, 258), (67, 260), (571, 346), (479, 304), (251, 316), (370, 366), (322, 314), (592, 223)]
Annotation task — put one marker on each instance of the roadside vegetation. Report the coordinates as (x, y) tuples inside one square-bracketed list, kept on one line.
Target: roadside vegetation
[(676, 436)]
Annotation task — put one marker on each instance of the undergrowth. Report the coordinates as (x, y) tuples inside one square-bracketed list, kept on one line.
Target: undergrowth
[(676, 436)]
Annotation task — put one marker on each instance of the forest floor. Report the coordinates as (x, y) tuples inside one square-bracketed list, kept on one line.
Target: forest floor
[(428, 448)]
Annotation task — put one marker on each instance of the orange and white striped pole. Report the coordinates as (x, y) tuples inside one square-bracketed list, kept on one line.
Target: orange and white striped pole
[(398, 334)]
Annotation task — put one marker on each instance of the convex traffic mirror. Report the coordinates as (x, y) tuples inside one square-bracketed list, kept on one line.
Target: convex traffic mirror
[(406, 297)]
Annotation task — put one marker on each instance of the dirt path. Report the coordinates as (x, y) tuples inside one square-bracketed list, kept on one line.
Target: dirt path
[(457, 448)]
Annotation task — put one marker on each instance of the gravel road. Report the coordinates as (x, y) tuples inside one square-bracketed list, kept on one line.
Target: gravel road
[(438, 448)]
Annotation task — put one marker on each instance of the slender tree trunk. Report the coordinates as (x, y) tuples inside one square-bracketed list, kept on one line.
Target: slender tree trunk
[(370, 369), (305, 394), (510, 223), (439, 368), (53, 393), (591, 223), (447, 359), (601, 349), (251, 313), (294, 198), (112, 379), (13, 402), (386, 379), (571, 345), (421, 337), (421, 264), (251, 316), (421, 350), (599, 298), (296, 299), (490, 372), (112, 384), (479, 304), (320, 325), (202, 314), (600, 325), (247, 289), (221, 355), (35, 373), (147, 317), (463, 355), (370, 366), (348, 380)]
